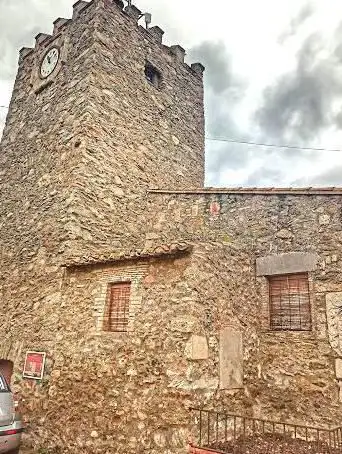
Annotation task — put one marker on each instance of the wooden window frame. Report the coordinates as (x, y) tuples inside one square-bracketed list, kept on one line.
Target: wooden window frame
[(117, 307), (290, 303)]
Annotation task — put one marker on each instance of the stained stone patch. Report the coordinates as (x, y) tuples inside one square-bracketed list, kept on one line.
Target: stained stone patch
[(338, 367), (334, 319), (231, 359), (197, 348)]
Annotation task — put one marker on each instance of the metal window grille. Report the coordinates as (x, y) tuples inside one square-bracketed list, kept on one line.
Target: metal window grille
[(117, 307), (290, 308)]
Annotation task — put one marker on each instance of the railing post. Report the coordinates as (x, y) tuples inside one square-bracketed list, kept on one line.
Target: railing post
[(200, 429), (208, 429), (217, 422), (244, 436), (226, 429)]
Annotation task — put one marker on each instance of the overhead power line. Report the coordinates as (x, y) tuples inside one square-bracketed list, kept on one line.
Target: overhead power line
[(271, 145), (259, 144)]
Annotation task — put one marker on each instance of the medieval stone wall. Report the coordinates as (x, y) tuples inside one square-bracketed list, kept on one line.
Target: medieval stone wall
[(287, 375), (135, 135), (110, 390), (78, 151), (38, 154), (199, 333)]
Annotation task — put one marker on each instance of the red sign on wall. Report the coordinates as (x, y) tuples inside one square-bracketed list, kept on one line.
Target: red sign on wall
[(34, 365)]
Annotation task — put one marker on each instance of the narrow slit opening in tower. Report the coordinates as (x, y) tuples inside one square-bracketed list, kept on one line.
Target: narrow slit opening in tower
[(153, 75)]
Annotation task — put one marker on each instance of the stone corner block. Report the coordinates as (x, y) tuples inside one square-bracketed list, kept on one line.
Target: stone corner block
[(293, 262)]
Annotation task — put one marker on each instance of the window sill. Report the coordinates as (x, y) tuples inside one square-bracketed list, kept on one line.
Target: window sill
[(112, 335), (295, 335), (155, 86)]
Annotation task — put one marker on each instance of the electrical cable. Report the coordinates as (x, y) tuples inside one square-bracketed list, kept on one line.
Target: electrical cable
[(260, 144), (272, 145)]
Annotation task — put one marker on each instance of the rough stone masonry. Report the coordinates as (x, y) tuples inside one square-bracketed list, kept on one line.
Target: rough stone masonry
[(82, 154)]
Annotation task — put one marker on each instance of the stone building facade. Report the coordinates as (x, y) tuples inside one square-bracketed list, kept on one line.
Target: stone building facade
[(148, 301)]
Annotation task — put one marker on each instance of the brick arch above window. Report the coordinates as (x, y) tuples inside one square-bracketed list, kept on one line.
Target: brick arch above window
[(120, 276)]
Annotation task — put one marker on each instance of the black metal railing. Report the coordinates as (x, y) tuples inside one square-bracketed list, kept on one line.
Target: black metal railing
[(231, 434)]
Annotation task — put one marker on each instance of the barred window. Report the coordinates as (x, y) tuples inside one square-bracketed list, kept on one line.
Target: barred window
[(117, 307), (290, 308)]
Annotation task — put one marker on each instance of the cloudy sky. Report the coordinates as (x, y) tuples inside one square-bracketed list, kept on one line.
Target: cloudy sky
[(274, 76)]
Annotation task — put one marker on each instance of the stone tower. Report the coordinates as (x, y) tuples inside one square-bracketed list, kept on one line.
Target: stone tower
[(101, 111), (114, 113)]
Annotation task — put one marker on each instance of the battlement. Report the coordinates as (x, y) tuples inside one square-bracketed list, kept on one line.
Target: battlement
[(61, 25)]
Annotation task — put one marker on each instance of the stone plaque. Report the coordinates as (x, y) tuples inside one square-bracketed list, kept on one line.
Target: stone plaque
[(293, 262), (231, 359), (334, 319), (197, 348), (338, 368)]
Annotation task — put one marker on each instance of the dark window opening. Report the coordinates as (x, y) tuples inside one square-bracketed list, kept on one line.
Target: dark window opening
[(290, 308), (153, 75), (116, 315)]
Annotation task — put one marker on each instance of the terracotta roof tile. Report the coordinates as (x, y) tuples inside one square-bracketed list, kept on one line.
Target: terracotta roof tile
[(161, 250)]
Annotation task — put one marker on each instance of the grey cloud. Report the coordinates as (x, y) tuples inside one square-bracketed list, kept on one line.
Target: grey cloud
[(222, 157), (3, 113), (224, 90), (275, 166), (269, 177), (305, 13), (20, 21), (331, 177), (300, 104), (219, 74)]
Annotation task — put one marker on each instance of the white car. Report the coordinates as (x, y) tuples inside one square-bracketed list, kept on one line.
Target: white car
[(11, 427)]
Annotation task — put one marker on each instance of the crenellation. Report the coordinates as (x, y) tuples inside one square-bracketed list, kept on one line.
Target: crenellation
[(59, 24), (41, 38), (198, 69), (133, 12), (78, 7), (157, 33), (178, 52), (24, 52), (118, 3)]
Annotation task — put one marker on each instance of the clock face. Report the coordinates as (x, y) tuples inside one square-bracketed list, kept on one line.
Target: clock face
[(49, 62)]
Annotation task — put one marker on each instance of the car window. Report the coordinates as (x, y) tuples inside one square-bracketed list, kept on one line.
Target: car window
[(3, 385)]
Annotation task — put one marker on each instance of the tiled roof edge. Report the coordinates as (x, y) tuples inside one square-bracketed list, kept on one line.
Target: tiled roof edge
[(254, 191), (164, 250)]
